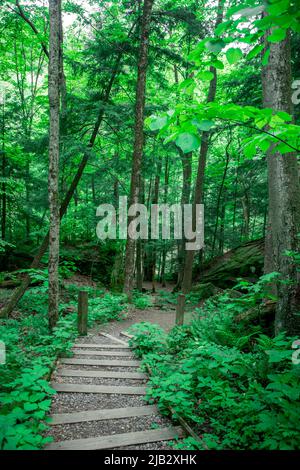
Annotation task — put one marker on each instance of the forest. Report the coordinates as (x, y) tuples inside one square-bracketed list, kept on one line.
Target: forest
[(150, 225)]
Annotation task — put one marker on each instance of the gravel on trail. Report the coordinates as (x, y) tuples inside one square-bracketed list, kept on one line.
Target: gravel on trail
[(72, 402)]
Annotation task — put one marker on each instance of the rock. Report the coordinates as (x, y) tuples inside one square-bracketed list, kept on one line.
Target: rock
[(204, 291)]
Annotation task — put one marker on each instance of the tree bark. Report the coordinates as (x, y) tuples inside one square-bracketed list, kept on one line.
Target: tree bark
[(3, 185), (139, 246), (221, 190), (164, 252), (284, 195), (185, 199), (138, 137), (199, 186), (155, 200), (53, 178)]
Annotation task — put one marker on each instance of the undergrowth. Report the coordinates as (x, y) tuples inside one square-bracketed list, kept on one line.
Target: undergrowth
[(236, 386), (31, 352)]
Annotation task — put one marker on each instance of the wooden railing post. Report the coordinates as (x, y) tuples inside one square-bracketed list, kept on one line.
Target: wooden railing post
[(180, 309), (82, 313)]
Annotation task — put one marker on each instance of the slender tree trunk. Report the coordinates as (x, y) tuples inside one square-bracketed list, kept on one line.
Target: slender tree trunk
[(186, 160), (27, 196), (4, 205), (219, 199), (199, 186), (155, 200), (54, 101), (138, 137), (284, 195), (3, 185), (139, 246), (147, 252), (222, 224), (164, 253), (246, 213), (185, 199)]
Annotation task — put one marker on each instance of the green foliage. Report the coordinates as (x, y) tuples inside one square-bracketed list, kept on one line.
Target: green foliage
[(141, 301), (106, 308), (31, 353), (238, 388), (67, 269), (147, 337)]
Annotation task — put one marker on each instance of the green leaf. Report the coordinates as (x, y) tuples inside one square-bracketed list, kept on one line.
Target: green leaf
[(157, 123), (205, 76), (255, 51), (188, 142), (277, 35), (278, 356), (215, 45), (217, 64), (234, 55), (285, 116), (204, 125), (265, 59), (279, 7), (30, 406)]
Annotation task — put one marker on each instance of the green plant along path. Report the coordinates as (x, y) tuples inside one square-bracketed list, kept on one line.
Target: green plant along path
[(31, 355), (234, 384)]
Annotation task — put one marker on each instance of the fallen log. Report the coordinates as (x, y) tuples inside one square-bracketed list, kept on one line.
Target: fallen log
[(264, 311)]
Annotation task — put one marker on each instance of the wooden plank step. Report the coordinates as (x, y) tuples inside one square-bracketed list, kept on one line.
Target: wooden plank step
[(98, 362), (108, 374), (100, 415), (106, 389), (127, 335), (118, 440), (103, 353), (113, 338), (101, 346)]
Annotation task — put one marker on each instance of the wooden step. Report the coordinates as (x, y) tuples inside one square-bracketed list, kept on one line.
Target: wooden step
[(100, 415), (102, 353), (101, 346), (113, 338), (118, 440), (106, 389), (95, 362), (108, 374), (127, 335)]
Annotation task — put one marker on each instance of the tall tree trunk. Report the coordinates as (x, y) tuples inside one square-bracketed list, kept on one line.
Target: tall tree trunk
[(185, 199), (222, 224), (147, 251), (246, 213), (27, 196), (284, 195), (54, 101), (221, 190), (138, 137), (139, 246), (3, 185), (186, 160), (164, 252), (199, 186), (155, 200)]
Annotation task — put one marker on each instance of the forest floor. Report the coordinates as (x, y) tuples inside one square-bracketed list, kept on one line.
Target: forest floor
[(163, 315)]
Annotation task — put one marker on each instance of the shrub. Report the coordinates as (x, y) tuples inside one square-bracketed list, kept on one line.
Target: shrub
[(237, 387)]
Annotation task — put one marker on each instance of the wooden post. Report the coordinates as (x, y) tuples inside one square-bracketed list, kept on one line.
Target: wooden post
[(180, 309), (82, 313)]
